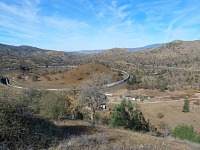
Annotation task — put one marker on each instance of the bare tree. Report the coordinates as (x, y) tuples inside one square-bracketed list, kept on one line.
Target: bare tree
[(91, 92)]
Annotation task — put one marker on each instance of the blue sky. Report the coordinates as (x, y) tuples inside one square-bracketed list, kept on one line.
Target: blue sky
[(97, 24)]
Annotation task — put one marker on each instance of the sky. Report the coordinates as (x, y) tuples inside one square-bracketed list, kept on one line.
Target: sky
[(70, 25)]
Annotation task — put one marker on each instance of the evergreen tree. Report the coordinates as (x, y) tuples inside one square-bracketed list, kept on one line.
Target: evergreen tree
[(186, 106), (128, 116)]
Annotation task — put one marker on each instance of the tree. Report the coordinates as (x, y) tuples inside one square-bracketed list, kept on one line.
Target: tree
[(91, 92), (128, 116), (186, 106), (134, 81), (161, 83)]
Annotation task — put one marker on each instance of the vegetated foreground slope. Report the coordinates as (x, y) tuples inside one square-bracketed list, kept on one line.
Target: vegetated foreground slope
[(14, 56), (105, 138)]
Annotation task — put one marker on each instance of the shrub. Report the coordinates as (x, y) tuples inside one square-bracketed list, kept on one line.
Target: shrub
[(197, 102), (186, 106), (20, 127), (133, 80), (53, 106), (172, 89), (34, 77), (48, 78), (129, 117), (161, 83), (19, 76), (185, 132), (164, 128), (79, 78), (31, 97), (160, 115)]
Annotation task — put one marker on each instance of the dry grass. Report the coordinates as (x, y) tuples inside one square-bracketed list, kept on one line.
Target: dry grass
[(173, 114), (105, 138), (73, 77), (172, 111), (2, 86)]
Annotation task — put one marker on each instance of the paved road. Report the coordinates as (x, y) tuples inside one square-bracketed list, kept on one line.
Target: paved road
[(126, 77)]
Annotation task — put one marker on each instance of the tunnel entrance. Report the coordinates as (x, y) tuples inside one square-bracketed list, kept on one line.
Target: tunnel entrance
[(5, 81)]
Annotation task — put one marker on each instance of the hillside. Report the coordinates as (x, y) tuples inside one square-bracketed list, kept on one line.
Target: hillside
[(83, 72), (63, 77), (145, 47), (111, 55), (173, 54), (15, 56), (176, 53), (103, 137)]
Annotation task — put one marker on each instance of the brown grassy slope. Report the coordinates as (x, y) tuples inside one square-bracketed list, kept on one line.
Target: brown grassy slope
[(83, 72), (70, 78), (173, 114), (106, 138)]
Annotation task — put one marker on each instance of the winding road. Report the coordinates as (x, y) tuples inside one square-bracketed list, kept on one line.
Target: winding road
[(6, 81)]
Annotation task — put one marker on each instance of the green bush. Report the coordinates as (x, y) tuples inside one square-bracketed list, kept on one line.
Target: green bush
[(129, 117), (48, 104), (24, 118), (21, 128), (134, 82), (186, 106), (185, 132), (161, 83), (31, 97), (54, 105)]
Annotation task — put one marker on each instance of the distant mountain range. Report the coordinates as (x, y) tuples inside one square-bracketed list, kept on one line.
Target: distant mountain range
[(146, 47), (88, 52), (176, 53)]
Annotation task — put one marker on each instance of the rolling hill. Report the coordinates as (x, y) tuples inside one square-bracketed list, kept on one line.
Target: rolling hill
[(176, 53), (173, 54), (114, 54), (15, 56)]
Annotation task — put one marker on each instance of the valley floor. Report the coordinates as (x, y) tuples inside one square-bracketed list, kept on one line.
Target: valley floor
[(163, 102)]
